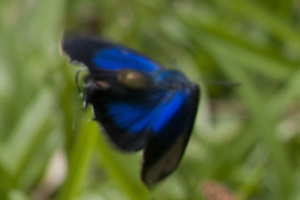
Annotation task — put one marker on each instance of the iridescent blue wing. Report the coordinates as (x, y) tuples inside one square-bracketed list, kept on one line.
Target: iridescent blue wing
[(127, 120), (119, 88), (102, 55), (169, 136)]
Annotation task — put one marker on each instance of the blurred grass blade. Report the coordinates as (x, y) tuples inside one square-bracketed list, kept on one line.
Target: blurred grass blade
[(79, 159), (27, 133), (262, 126), (217, 45), (117, 171), (268, 21)]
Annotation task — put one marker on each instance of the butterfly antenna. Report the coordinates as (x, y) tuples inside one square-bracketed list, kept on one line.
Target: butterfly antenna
[(227, 83), (224, 83)]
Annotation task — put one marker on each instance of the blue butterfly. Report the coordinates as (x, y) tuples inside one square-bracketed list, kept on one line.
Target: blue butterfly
[(138, 103)]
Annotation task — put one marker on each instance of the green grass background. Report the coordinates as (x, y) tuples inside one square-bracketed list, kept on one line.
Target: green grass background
[(245, 138)]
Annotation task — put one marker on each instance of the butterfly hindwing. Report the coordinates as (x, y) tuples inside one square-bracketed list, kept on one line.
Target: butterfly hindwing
[(169, 136)]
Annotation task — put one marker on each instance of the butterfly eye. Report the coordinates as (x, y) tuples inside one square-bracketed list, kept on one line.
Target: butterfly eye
[(133, 79)]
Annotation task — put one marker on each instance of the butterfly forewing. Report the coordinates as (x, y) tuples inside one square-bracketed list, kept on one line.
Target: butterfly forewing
[(127, 120), (101, 55)]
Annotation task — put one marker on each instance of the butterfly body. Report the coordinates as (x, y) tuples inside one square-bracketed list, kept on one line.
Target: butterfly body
[(139, 104)]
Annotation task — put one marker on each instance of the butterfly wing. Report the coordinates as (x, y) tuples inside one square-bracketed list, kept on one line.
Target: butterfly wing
[(102, 55), (169, 135), (119, 88), (126, 121)]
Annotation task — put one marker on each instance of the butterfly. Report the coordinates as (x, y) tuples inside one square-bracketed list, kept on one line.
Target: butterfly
[(138, 103)]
